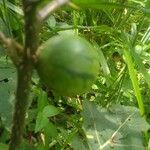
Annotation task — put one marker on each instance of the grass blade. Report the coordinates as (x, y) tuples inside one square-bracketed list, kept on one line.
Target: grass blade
[(132, 73)]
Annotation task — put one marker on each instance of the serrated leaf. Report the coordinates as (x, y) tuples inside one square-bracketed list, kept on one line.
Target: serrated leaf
[(120, 127), (42, 118)]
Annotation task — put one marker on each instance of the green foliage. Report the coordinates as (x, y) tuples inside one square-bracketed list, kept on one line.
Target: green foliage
[(7, 90), (118, 128), (3, 146)]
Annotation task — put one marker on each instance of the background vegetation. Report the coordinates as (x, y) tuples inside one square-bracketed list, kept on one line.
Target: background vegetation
[(115, 113)]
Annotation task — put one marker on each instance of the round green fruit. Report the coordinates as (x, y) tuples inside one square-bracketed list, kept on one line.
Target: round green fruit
[(68, 65)]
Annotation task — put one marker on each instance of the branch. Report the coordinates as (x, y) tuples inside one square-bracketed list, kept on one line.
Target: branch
[(49, 8), (24, 72), (14, 49)]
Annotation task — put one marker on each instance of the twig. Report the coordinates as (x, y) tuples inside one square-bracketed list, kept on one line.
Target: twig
[(14, 49), (49, 8)]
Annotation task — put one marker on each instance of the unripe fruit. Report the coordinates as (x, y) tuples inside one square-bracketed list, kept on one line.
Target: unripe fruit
[(68, 65)]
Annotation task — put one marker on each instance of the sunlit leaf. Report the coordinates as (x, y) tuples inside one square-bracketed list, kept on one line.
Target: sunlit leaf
[(50, 111), (13, 7)]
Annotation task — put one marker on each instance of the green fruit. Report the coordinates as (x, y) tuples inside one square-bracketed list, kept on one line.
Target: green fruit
[(68, 65)]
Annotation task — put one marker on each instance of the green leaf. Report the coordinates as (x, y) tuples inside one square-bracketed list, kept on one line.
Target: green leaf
[(3, 146), (3, 27), (129, 44), (79, 142), (42, 118), (4, 135), (105, 66), (51, 21), (132, 73), (40, 146), (141, 67), (98, 4), (120, 127), (41, 122), (50, 111), (42, 99), (13, 7), (7, 91), (147, 8), (25, 145), (50, 130)]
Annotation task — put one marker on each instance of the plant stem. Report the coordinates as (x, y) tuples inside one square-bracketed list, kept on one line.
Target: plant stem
[(25, 68), (14, 49), (24, 71), (24, 78)]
